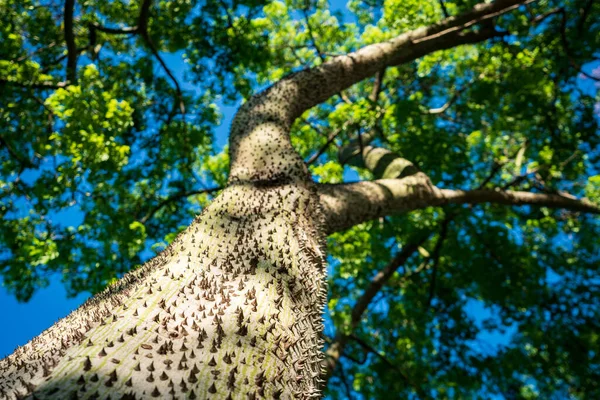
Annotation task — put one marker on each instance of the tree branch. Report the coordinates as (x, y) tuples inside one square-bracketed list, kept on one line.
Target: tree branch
[(34, 85), (162, 62), (128, 30), (444, 9), (70, 40), (335, 351), (25, 163), (377, 86), (310, 34), (382, 277), (265, 120), (448, 104), (142, 29), (323, 149), (349, 204), (435, 256), (174, 198)]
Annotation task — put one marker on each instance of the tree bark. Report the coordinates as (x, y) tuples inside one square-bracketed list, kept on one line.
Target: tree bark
[(349, 204), (233, 308)]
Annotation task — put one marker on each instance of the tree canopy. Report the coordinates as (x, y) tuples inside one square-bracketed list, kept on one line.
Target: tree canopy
[(96, 122)]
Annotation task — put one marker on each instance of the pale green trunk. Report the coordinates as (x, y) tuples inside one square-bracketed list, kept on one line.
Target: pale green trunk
[(231, 310)]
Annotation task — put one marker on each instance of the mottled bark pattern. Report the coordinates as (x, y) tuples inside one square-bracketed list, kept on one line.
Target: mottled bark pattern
[(231, 310)]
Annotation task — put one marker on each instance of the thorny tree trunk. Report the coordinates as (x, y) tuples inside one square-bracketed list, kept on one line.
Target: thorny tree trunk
[(232, 309)]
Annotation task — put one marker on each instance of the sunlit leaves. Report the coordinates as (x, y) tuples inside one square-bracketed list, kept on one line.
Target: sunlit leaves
[(95, 172), (104, 166), (90, 138)]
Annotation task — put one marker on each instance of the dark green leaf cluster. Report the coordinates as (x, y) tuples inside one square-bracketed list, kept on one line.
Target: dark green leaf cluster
[(497, 300)]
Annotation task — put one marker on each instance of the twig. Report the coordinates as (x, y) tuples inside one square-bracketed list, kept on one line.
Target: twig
[(24, 162), (435, 256), (34, 85), (33, 53), (377, 87), (322, 150), (444, 9), (497, 167), (70, 39), (173, 198), (406, 379)]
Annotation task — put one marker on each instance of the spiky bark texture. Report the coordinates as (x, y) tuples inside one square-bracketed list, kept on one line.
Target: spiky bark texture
[(232, 309)]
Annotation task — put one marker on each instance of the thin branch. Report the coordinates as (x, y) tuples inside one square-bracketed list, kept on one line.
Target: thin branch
[(497, 167), (585, 12), (323, 149), (435, 256), (128, 30), (33, 53), (377, 87), (444, 9), (447, 105), (383, 276), (24, 162), (566, 45), (174, 198), (70, 40), (142, 29), (336, 350), (540, 18), (387, 362), (162, 62), (345, 383), (582, 72), (310, 34), (34, 85)]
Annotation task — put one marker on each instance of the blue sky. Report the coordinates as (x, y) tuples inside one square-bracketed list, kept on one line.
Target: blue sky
[(27, 320), (50, 304)]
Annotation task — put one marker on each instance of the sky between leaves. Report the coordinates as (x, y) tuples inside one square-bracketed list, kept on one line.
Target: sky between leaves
[(89, 166)]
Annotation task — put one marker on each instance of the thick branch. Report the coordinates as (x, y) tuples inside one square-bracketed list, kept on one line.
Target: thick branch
[(383, 163), (262, 125), (350, 204), (313, 86)]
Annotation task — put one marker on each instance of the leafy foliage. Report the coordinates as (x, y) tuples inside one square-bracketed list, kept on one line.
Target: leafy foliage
[(513, 112)]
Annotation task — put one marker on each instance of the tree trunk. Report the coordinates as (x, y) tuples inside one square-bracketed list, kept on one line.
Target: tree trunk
[(233, 307)]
